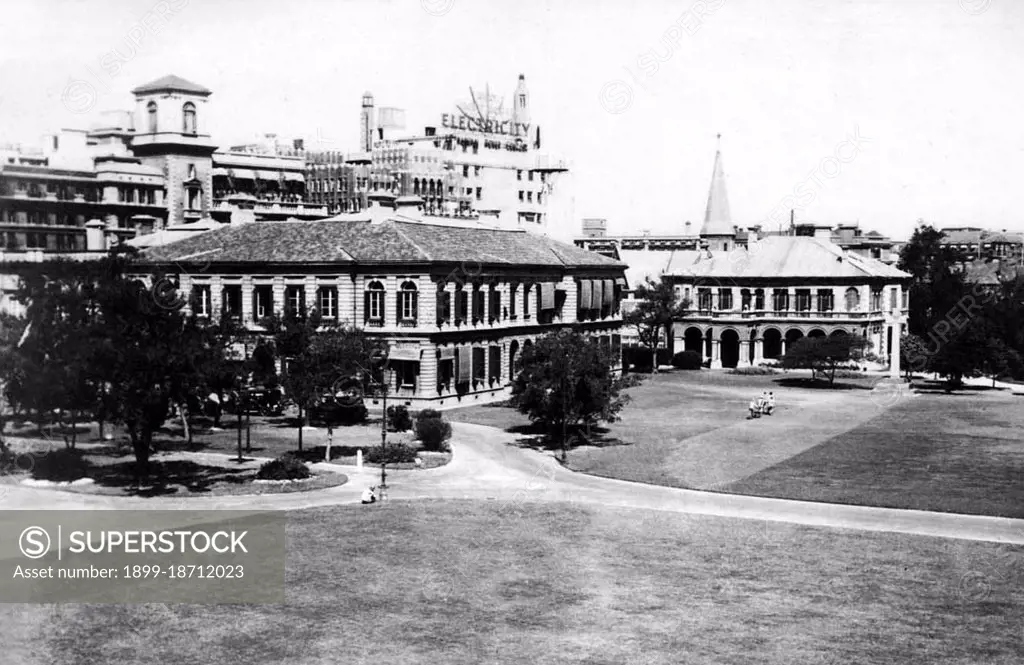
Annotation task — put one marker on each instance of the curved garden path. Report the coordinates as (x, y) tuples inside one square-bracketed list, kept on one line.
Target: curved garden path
[(488, 465)]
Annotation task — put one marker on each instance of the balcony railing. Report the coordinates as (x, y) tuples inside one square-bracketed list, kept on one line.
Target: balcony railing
[(778, 314)]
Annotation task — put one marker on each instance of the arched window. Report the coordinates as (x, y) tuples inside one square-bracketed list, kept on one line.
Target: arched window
[(151, 115), (373, 304), (852, 299), (189, 118), (408, 304)]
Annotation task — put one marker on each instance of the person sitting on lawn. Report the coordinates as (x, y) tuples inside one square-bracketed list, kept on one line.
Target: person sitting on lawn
[(369, 496), (755, 408), (769, 405)]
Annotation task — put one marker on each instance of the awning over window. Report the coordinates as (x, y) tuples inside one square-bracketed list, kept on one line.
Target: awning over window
[(547, 295), (292, 176), (404, 353), (586, 293), (447, 352), (465, 368), (609, 291), (597, 294)]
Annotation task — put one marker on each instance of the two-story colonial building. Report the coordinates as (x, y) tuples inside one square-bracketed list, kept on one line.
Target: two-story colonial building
[(457, 303), (749, 304)]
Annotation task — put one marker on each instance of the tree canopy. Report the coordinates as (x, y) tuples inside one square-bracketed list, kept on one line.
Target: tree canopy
[(657, 307), (565, 379), (824, 355)]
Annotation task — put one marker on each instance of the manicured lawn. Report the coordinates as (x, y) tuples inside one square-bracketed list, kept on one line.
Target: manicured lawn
[(959, 453), (468, 583), (962, 452)]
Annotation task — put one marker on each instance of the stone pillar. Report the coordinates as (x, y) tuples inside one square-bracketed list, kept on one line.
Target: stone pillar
[(744, 360), (427, 384), (894, 359), (570, 308), (247, 289), (427, 306), (391, 302), (278, 296), (310, 293), (216, 297), (758, 351), (782, 348), (449, 288), (716, 354)]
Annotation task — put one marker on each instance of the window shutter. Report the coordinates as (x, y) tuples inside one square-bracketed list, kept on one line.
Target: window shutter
[(366, 306)]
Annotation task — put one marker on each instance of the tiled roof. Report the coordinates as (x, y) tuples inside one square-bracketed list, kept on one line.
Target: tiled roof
[(171, 82), (363, 241), (786, 256), (1012, 238), (961, 236), (644, 264)]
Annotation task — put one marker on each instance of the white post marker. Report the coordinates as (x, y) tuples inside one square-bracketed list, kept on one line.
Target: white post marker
[(359, 458)]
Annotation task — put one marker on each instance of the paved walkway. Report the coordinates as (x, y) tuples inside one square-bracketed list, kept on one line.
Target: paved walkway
[(488, 465)]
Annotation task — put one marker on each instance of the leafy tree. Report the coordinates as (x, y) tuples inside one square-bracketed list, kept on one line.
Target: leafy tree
[(824, 355), (565, 379), (1000, 360), (914, 354), (935, 285), (657, 308)]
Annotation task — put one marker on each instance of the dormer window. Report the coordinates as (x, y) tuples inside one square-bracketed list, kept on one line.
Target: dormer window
[(189, 118), (151, 115)]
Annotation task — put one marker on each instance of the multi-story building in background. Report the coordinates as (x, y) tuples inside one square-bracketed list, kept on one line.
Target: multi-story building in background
[(454, 334)]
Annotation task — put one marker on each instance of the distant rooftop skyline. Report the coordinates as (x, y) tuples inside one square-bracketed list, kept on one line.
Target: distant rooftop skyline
[(863, 110)]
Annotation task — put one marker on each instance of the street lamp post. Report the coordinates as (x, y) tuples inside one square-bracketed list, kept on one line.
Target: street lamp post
[(384, 383)]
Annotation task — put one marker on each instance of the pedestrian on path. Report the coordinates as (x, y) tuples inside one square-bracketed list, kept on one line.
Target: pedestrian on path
[(369, 496)]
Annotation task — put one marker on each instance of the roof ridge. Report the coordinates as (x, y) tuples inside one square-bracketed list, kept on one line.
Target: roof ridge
[(412, 242)]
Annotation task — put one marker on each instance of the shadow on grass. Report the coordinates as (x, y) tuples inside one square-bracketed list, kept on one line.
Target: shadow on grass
[(166, 478), (536, 437), (933, 387), (817, 384)]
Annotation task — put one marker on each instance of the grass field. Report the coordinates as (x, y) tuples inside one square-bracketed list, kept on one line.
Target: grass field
[(961, 452), (468, 583)]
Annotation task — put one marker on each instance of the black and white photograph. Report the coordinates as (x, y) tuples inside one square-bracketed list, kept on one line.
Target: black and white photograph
[(461, 332)]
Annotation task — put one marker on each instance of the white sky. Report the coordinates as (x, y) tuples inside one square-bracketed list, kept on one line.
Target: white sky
[(935, 88)]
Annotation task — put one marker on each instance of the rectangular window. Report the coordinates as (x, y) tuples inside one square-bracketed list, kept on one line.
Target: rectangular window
[(724, 299), (231, 300), (465, 168), (519, 175), (780, 300), (408, 309), (406, 373), (262, 302), (876, 300), (521, 195), (479, 366), (444, 307), (529, 197), (617, 350), (461, 305), (529, 176), (295, 301), (704, 300), (512, 293), (327, 302), (826, 300), (478, 304), (526, 301), (445, 373), (759, 299), (479, 193), (494, 363), (803, 300), (494, 304), (201, 305), (892, 298), (745, 299), (375, 306)]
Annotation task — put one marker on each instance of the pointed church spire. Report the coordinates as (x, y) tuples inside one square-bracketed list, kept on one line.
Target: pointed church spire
[(717, 218)]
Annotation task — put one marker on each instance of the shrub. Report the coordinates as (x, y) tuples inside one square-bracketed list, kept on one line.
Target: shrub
[(285, 467), (61, 465), (753, 371), (433, 433), (687, 360), (427, 414), (394, 453), (849, 374), (8, 460), (399, 419)]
